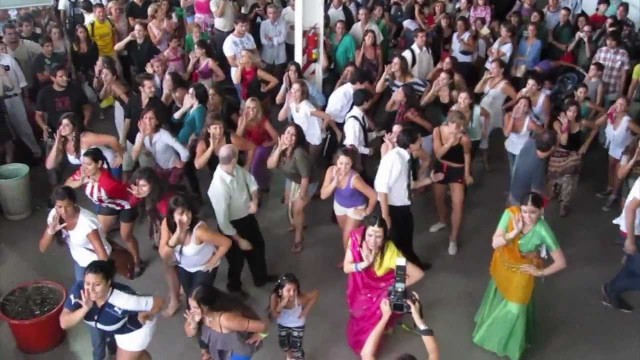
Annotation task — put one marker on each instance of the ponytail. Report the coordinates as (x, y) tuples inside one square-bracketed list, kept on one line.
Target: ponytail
[(96, 155)]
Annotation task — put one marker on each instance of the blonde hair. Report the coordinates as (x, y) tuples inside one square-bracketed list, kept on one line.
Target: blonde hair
[(153, 10), (456, 117), (259, 111)]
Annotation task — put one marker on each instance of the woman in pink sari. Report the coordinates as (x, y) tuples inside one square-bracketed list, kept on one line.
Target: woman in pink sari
[(370, 262)]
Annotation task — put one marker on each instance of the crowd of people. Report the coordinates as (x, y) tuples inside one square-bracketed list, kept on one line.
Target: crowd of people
[(413, 92)]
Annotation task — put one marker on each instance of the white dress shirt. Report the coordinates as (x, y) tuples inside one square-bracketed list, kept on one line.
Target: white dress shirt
[(340, 102), (393, 176), (273, 51), (353, 134), (289, 17), (357, 31), (423, 61), (165, 149), (311, 125), (15, 74), (230, 195)]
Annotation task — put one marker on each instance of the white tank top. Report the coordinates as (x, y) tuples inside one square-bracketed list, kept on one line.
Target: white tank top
[(192, 257), (618, 139), (291, 317), (516, 141)]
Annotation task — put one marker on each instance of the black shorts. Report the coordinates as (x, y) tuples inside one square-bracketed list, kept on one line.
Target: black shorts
[(452, 175), (126, 216)]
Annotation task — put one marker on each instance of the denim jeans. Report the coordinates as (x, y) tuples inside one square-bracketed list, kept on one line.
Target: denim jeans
[(627, 279)]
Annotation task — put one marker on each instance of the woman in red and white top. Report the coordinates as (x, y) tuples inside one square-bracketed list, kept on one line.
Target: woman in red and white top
[(111, 196)]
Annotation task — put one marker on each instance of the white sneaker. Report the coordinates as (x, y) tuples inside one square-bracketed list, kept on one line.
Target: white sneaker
[(437, 227), (453, 248)]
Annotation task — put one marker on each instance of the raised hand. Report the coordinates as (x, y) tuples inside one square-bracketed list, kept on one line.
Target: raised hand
[(55, 225), (85, 300), (518, 223)]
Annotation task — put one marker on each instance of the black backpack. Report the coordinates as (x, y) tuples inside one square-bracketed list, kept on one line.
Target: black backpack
[(76, 16), (363, 125)]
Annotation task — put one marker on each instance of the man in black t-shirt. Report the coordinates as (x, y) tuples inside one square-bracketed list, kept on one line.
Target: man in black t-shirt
[(25, 23), (43, 63), (58, 98), (137, 10)]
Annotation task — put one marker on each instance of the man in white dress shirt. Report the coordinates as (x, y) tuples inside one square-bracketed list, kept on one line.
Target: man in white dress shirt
[(356, 127), (393, 182), (365, 23), (234, 195), (419, 55)]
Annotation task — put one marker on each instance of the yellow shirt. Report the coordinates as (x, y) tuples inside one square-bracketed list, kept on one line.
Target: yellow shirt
[(103, 34), (636, 73)]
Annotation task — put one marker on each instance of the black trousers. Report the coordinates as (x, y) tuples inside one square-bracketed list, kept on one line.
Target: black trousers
[(248, 229), (191, 280), (402, 232)]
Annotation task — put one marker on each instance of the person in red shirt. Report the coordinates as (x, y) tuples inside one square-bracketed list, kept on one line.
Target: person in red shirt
[(598, 19), (111, 196)]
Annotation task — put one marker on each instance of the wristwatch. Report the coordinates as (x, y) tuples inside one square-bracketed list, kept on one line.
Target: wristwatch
[(425, 331)]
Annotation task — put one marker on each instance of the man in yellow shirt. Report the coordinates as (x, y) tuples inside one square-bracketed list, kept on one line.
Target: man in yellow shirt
[(103, 32)]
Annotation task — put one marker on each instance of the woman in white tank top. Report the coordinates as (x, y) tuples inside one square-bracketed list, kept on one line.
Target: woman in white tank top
[(289, 306), (517, 128), (540, 104), (617, 127), (196, 248)]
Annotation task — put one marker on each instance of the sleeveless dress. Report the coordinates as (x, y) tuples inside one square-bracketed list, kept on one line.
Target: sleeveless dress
[(493, 100)]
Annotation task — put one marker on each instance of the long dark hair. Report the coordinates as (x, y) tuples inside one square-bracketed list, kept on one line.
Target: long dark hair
[(159, 188), (78, 129), (376, 221), (210, 299), (533, 199), (301, 139), (182, 202), (213, 118), (96, 155)]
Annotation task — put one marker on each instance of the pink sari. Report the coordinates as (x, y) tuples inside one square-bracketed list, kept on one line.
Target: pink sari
[(365, 291)]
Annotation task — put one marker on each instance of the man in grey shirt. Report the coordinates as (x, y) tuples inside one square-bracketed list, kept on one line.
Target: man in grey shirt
[(529, 171), (234, 195)]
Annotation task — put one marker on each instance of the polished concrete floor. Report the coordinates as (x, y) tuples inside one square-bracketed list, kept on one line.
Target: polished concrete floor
[(572, 322)]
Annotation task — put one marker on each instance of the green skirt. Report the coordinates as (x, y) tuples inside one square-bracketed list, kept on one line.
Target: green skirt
[(503, 327)]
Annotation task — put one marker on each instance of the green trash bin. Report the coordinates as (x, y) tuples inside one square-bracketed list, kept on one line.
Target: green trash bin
[(15, 194)]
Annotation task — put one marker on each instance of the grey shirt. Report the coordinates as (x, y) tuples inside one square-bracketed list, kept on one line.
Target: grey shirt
[(298, 166), (528, 172)]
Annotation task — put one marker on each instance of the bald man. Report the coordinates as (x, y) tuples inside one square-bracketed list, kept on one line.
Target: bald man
[(234, 195)]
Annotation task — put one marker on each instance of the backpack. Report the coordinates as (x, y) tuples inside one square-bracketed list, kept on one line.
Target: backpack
[(396, 12), (75, 15), (363, 126), (414, 59), (92, 26)]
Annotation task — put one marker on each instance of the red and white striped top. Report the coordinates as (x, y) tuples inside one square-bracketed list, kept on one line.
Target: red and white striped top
[(107, 191)]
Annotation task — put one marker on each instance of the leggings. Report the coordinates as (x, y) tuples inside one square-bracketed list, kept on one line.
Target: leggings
[(191, 280)]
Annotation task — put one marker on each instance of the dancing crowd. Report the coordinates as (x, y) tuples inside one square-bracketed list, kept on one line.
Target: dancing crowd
[(207, 104)]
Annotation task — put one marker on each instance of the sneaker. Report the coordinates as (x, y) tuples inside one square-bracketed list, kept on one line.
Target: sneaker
[(453, 248), (604, 194), (437, 227), (611, 201), (621, 304)]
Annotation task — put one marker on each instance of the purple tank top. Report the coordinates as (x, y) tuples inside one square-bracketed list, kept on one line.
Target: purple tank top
[(349, 197)]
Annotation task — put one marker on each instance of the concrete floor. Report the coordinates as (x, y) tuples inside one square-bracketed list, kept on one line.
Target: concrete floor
[(572, 321)]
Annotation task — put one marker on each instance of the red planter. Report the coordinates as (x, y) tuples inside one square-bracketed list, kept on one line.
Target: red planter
[(42, 333)]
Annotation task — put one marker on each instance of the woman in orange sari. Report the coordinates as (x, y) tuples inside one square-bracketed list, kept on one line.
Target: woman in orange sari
[(522, 240)]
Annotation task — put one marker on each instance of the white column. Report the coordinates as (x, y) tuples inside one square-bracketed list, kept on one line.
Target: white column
[(309, 13)]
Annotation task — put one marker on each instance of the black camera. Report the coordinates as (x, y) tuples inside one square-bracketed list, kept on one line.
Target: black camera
[(398, 294)]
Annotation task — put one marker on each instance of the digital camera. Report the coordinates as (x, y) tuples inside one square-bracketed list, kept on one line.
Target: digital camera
[(398, 294)]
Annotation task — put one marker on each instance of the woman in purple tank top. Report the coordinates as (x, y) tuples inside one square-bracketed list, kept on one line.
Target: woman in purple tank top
[(353, 199)]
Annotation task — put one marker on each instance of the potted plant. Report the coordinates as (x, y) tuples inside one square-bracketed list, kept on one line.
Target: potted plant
[(32, 310)]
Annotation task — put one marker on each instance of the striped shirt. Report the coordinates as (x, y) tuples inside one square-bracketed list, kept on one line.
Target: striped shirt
[(107, 191)]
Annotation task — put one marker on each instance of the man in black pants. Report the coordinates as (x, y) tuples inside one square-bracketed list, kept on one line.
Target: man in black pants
[(393, 184), (234, 195)]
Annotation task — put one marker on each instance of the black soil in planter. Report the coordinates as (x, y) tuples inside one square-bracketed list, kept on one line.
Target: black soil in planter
[(30, 302)]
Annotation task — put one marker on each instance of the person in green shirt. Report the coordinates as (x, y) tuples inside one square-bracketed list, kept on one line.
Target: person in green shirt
[(386, 27), (561, 36), (195, 35), (343, 46)]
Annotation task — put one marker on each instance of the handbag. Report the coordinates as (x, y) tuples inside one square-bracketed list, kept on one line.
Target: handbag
[(123, 259)]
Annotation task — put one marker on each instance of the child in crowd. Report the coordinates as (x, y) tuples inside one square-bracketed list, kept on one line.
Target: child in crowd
[(289, 306), (594, 83), (174, 55), (598, 19)]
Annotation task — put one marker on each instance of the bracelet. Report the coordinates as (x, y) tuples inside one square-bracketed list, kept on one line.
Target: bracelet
[(356, 267)]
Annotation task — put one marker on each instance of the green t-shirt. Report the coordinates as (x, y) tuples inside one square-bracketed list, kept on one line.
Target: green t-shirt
[(344, 51), (540, 235), (189, 44)]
